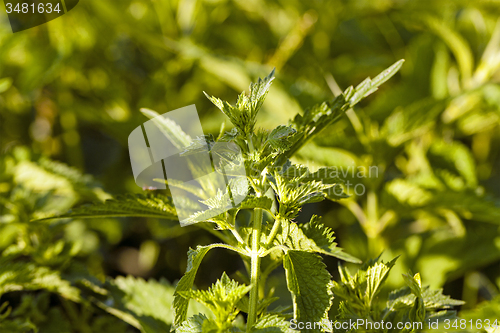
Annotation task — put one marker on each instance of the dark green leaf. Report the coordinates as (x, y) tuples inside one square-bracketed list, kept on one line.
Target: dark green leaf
[(309, 283)]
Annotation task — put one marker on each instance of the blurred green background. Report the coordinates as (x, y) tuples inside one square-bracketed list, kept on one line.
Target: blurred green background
[(71, 90)]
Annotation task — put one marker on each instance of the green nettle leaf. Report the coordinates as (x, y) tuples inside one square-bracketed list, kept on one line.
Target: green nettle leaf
[(28, 276), (256, 202), (454, 156), (326, 113), (243, 114), (314, 120), (185, 284), (215, 215), (358, 291), (309, 283), (433, 299), (220, 200), (293, 194), (197, 324), (221, 298), (142, 205), (323, 238), (295, 174), (272, 324), (258, 92), (375, 277), (280, 137), (412, 303), (417, 312), (220, 203), (312, 237), (369, 86), (146, 305)]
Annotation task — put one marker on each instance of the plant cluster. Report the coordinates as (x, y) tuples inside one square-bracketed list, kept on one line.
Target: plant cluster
[(269, 237), (262, 230)]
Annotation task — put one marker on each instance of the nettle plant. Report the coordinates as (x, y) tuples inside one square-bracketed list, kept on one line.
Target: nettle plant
[(261, 229), (268, 237)]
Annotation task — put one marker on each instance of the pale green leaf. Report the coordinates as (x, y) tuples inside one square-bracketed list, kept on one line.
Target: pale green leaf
[(28, 276), (146, 305), (258, 92), (252, 202), (457, 44), (454, 156), (272, 324), (375, 277), (221, 298), (281, 137), (368, 86), (193, 324), (243, 114)]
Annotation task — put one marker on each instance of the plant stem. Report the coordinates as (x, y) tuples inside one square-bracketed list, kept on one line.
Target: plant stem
[(254, 269), (237, 235), (274, 230)]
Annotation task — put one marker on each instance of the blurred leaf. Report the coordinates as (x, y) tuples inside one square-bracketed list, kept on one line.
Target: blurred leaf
[(454, 41), (28, 276), (271, 324), (149, 205), (146, 305)]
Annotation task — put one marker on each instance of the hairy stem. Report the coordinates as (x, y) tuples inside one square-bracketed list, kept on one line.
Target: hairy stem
[(274, 230), (254, 269), (237, 235)]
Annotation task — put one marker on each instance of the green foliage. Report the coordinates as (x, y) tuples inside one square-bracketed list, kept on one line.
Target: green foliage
[(294, 186), (146, 305), (413, 303), (221, 299), (243, 115), (271, 324), (22, 276), (130, 205), (296, 247), (186, 282), (312, 237), (310, 285), (69, 90)]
